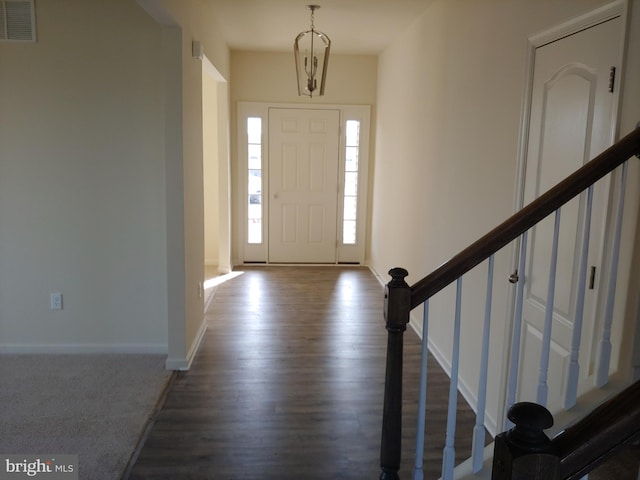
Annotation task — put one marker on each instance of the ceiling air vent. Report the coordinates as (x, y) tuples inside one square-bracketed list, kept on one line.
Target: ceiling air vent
[(17, 21)]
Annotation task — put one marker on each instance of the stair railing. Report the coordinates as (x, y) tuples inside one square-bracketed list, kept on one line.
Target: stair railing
[(526, 453), (400, 299)]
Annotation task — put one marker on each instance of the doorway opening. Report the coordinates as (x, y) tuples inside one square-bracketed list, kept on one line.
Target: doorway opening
[(216, 175)]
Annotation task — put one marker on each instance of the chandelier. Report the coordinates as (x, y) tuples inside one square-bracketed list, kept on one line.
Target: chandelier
[(311, 50)]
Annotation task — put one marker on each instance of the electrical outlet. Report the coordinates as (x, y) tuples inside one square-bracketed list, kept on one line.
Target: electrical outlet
[(56, 301)]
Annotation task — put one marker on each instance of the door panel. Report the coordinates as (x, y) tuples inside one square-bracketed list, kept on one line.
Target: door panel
[(570, 122), (303, 184)]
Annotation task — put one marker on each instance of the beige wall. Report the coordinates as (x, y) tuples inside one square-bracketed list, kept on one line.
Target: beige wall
[(82, 182), (450, 90), (195, 23), (101, 167), (211, 167), (215, 129), (270, 78)]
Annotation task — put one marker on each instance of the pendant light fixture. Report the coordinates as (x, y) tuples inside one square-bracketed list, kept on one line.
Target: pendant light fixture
[(311, 49)]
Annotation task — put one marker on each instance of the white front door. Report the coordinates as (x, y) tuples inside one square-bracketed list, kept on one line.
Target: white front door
[(571, 121), (303, 185)]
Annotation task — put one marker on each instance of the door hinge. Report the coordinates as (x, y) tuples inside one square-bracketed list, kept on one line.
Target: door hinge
[(612, 78)]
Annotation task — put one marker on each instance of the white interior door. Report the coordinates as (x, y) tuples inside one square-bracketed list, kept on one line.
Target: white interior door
[(571, 119), (303, 185)]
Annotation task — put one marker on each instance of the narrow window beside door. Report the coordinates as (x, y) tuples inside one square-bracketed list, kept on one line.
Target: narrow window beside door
[(254, 180), (350, 200)]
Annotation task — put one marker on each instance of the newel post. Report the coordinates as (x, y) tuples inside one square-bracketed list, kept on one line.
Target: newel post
[(525, 452), (397, 305)]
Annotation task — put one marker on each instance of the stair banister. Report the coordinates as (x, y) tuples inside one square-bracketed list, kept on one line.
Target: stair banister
[(449, 452), (396, 313), (602, 371), (543, 388), (514, 361), (400, 298), (418, 473), (573, 370), (478, 429)]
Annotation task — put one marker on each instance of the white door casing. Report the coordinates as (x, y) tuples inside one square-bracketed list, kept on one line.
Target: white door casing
[(571, 120)]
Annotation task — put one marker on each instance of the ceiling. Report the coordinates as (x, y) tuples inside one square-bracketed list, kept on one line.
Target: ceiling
[(354, 26)]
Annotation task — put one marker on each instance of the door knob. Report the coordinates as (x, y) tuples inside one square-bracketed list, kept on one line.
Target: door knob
[(513, 278)]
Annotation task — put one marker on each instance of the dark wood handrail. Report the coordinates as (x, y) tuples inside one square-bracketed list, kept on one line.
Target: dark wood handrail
[(599, 435), (526, 218)]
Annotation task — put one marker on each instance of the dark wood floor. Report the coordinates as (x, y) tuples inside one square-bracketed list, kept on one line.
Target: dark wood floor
[(288, 384)]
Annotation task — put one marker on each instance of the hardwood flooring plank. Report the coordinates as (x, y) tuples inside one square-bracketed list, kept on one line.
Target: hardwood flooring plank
[(288, 384)]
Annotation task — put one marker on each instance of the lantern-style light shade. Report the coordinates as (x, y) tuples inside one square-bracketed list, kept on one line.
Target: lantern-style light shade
[(311, 50)]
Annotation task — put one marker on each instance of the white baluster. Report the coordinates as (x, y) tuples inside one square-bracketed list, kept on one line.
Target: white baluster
[(514, 363), (449, 452), (478, 430), (418, 473), (543, 389), (573, 373), (602, 374)]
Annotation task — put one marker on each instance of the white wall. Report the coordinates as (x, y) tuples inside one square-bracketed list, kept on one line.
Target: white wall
[(450, 92), (270, 78), (82, 182)]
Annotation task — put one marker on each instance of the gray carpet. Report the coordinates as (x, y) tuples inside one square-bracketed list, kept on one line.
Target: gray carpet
[(94, 406)]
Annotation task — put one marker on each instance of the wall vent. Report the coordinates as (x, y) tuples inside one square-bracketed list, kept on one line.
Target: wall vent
[(17, 21)]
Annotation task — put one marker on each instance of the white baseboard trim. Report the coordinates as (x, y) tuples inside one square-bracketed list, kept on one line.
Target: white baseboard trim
[(87, 348), (378, 276), (184, 364), (208, 297), (180, 364), (197, 341)]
